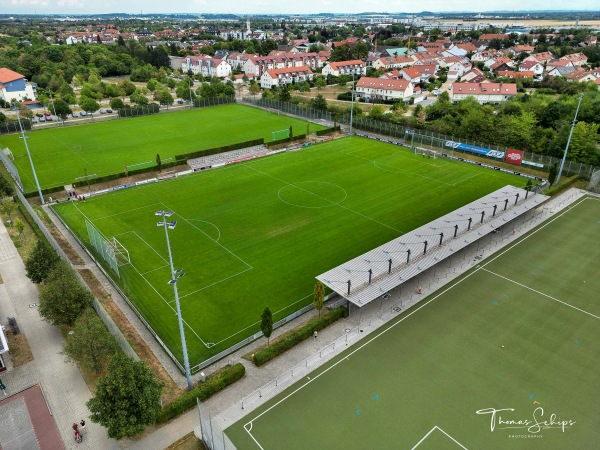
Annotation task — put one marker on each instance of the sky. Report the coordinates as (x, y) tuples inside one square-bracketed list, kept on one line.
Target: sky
[(279, 6)]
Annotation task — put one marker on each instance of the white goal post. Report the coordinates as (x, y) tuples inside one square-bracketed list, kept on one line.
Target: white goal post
[(121, 253)]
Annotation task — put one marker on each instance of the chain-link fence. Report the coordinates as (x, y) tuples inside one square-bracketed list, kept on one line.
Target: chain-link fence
[(293, 109), (6, 160), (213, 435)]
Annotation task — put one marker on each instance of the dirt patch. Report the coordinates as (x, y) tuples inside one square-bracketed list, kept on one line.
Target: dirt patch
[(170, 389), (188, 442), (19, 350)]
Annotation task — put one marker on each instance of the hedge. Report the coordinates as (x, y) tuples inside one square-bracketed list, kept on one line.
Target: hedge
[(327, 131), (562, 186), (214, 383), (296, 336), (286, 140), (216, 150), (139, 110)]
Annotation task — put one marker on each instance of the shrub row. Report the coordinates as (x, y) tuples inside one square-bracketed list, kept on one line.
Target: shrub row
[(12, 126), (139, 110), (213, 101), (295, 337), (327, 131), (213, 384), (216, 150), (284, 140), (562, 186)]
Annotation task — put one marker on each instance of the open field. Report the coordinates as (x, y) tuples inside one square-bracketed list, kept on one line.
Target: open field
[(518, 334), (62, 154), (256, 233)]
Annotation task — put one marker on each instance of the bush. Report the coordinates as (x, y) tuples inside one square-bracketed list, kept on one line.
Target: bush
[(304, 332), (300, 137), (327, 131), (139, 110), (562, 186), (214, 383)]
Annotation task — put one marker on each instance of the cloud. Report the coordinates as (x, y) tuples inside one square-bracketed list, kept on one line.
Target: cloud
[(71, 3), (29, 2)]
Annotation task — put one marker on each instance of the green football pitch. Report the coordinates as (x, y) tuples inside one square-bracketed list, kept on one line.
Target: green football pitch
[(62, 154), (256, 234), (518, 334)]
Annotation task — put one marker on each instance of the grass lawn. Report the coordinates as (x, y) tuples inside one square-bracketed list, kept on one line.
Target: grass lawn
[(255, 234), (62, 154), (519, 333)]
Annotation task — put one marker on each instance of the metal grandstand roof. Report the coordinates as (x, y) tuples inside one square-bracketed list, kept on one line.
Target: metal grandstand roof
[(368, 276)]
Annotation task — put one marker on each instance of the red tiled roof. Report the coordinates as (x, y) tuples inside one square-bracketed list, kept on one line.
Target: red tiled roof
[(7, 75), (274, 72), (381, 83), (484, 88)]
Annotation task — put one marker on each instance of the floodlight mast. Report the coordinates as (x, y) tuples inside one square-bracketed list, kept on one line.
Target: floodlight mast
[(562, 163), (37, 183), (175, 276)]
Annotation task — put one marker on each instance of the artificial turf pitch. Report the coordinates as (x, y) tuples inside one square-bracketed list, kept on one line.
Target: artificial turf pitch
[(443, 360), (256, 234), (62, 154)]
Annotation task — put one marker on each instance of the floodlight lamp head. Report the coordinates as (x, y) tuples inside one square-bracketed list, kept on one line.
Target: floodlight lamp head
[(171, 281), (160, 212), (168, 213), (172, 225), (160, 224), (178, 270)]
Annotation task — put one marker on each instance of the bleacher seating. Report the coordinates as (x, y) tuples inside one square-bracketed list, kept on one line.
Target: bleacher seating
[(227, 157)]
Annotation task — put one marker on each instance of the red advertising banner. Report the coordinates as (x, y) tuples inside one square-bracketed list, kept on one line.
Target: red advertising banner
[(514, 156)]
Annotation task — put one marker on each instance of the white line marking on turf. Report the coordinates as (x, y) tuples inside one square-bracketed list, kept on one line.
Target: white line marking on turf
[(410, 314), (216, 242), (327, 200), (154, 270), (127, 212), (151, 248), (216, 282), (541, 293), (206, 221), (438, 428)]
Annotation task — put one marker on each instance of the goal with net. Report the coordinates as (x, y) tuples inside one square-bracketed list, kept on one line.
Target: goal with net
[(111, 250), (281, 134)]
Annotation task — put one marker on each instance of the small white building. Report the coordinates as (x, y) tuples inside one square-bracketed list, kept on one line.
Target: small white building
[(14, 86), (288, 75), (384, 89)]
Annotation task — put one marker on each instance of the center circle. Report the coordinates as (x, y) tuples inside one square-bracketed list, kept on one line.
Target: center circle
[(312, 194)]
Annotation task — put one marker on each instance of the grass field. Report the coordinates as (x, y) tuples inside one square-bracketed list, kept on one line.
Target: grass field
[(62, 154), (257, 233), (517, 333)]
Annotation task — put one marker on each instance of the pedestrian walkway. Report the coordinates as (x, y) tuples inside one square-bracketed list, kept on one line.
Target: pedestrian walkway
[(65, 390)]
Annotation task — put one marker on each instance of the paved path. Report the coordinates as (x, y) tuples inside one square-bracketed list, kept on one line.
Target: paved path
[(62, 383), (225, 407)]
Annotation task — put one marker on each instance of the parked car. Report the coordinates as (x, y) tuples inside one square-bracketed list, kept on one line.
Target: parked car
[(48, 118), (82, 113), (39, 114), (108, 111), (47, 113), (73, 114), (42, 119), (180, 102), (34, 120), (102, 111)]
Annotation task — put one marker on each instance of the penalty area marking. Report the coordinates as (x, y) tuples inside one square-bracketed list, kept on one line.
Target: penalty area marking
[(439, 429)]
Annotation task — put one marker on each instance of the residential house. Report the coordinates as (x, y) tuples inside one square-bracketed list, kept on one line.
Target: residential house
[(554, 63), (14, 86), (419, 73), (356, 66), (208, 67), (474, 76), (501, 63), (516, 74), (561, 71), (578, 59), (391, 62), (491, 36), (483, 92), (531, 66), (458, 69), (581, 75), (288, 75), (383, 89), (541, 58)]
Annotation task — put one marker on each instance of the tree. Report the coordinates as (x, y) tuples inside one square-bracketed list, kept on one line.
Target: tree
[(319, 102), (20, 227), (90, 344), (284, 94), (553, 173), (152, 84), (89, 104), (320, 83), (62, 299), (6, 188), (266, 323), (126, 398), (40, 262), (254, 89), (25, 112), (138, 98), (127, 87), (117, 103), (377, 112), (61, 107), (158, 162), (165, 98), (319, 297)]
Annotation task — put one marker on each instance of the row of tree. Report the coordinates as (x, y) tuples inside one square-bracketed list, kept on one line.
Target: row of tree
[(128, 394)]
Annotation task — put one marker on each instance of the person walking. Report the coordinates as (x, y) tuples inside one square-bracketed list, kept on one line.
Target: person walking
[(315, 335), (82, 423)]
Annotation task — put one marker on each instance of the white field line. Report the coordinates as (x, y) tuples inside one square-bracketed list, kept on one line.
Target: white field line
[(541, 293), (127, 212), (151, 248), (216, 282), (154, 270), (216, 242), (410, 314), (327, 200), (438, 428)]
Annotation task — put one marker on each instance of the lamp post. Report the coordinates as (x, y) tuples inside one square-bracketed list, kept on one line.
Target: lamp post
[(37, 183), (562, 163), (352, 106), (175, 276)]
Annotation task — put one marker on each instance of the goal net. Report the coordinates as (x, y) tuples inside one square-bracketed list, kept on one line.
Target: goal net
[(594, 181), (281, 134), (111, 250), (425, 153)]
